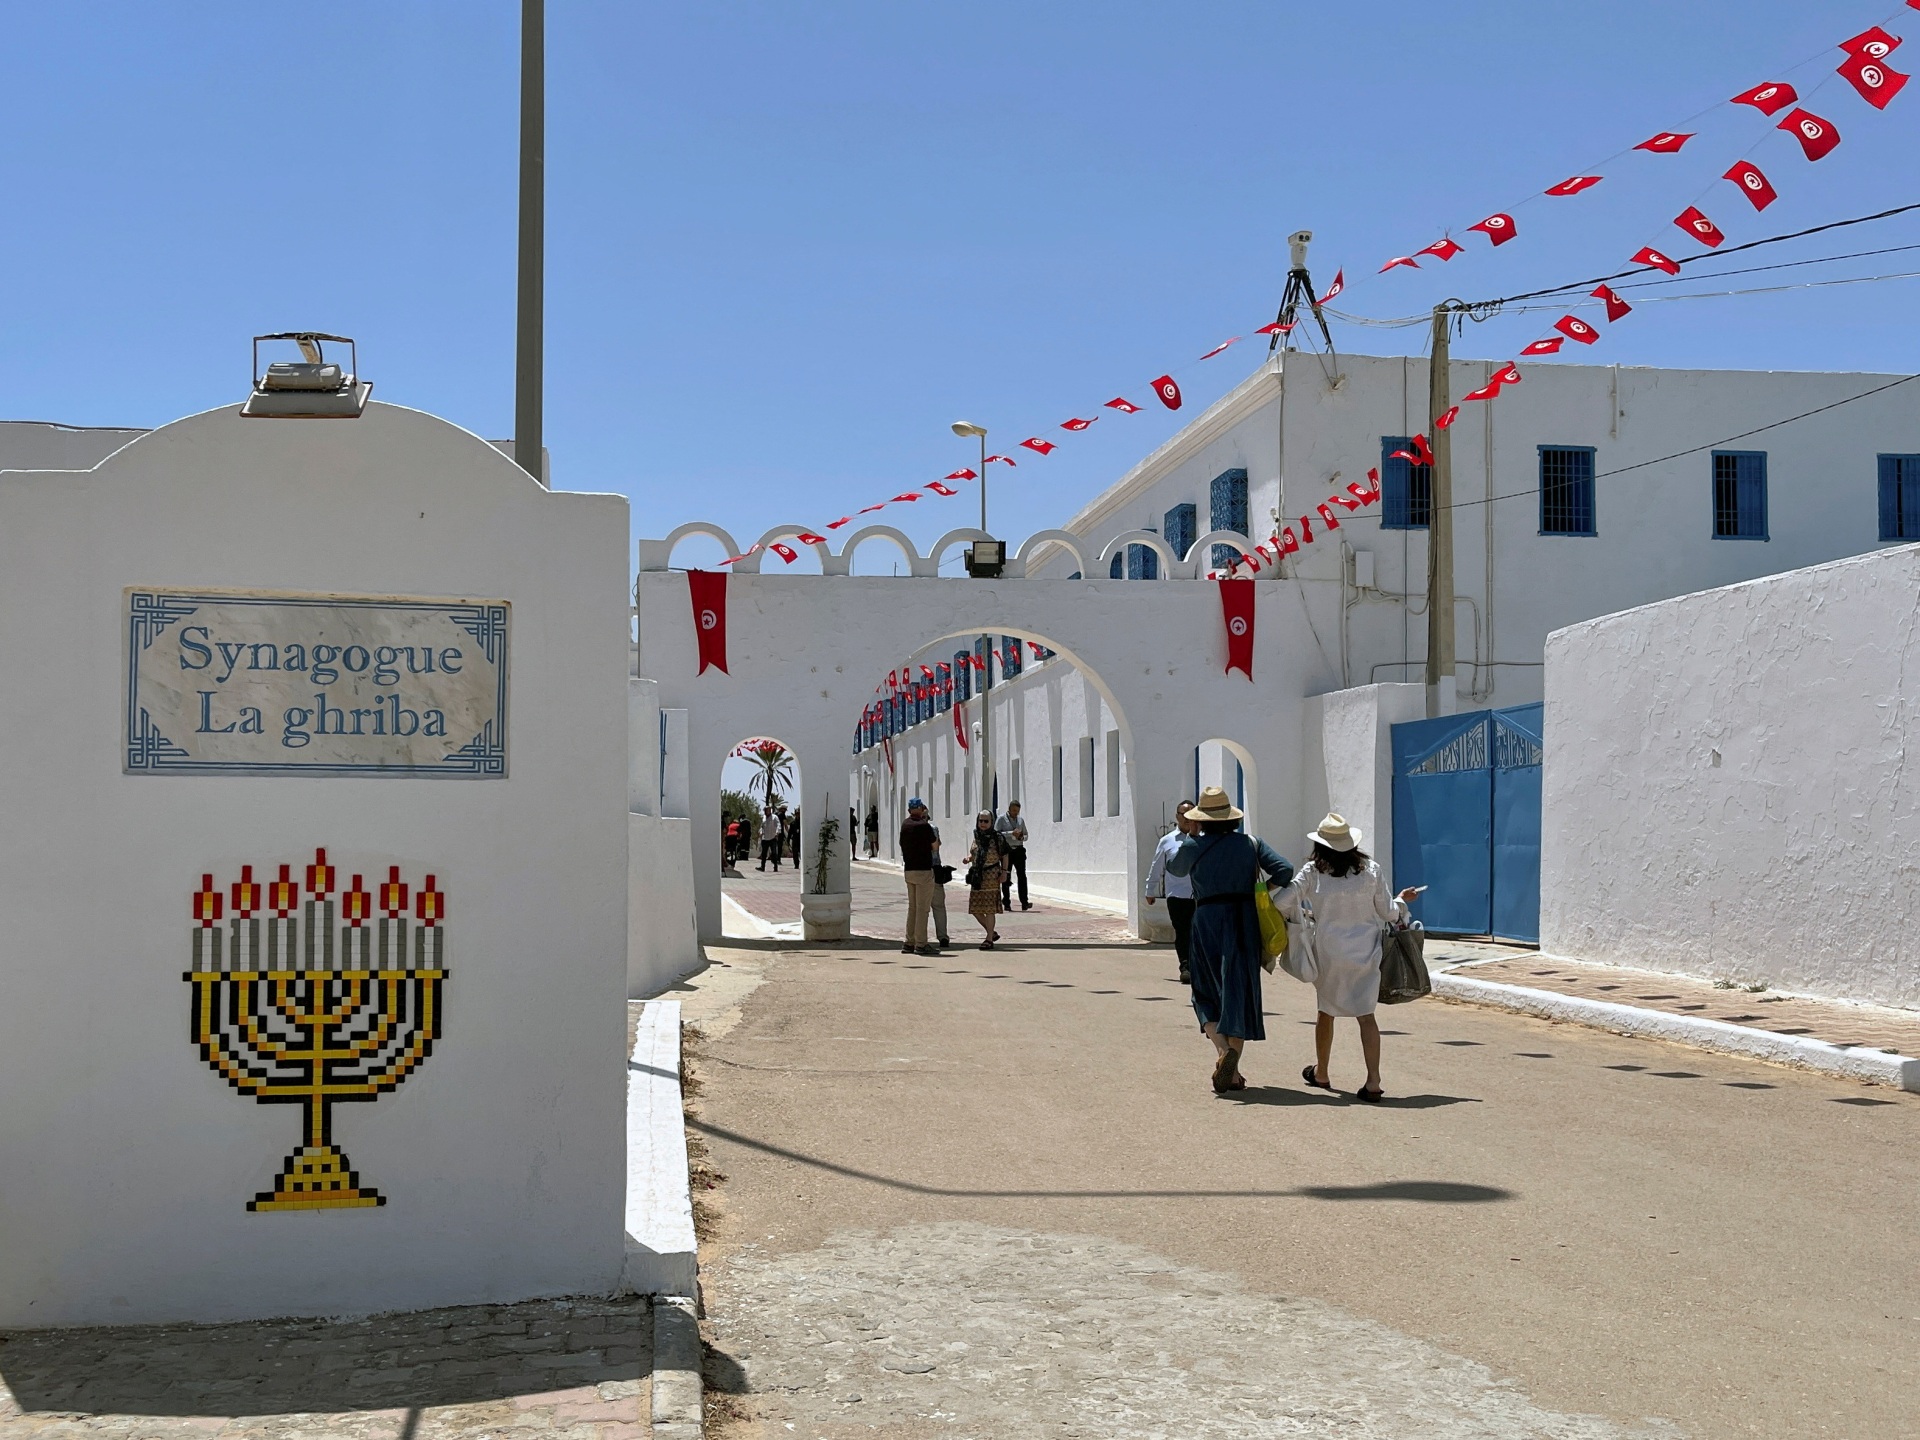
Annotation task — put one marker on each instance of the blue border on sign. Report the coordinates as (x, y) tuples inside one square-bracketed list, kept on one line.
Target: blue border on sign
[(148, 752)]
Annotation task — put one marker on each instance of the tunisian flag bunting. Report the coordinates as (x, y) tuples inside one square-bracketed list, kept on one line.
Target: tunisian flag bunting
[(1665, 143), (1339, 284), (1877, 82), (1236, 608), (1044, 447), (1575, 185), (1544, 347), (1616, 307), (1168, 391), (1497, 228), (1647, 255), (1574, 328), (1752, 184), (1872, 43), (1699, 226), (1817, 137), (1768, 99), (709, 591), (1443, 249), (960, 724), (1123, 405)]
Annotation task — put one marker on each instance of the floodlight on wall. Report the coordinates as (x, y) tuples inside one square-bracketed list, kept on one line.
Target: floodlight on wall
[(986, 559), (310, 388)]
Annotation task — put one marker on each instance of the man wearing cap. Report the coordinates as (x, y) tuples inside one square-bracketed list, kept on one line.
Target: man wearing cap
[(919, 846)]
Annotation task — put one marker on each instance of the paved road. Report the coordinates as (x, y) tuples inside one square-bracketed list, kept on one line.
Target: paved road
[(993, 1195)]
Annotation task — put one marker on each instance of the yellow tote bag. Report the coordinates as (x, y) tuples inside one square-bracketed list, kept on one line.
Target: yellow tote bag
[(1273, 926)]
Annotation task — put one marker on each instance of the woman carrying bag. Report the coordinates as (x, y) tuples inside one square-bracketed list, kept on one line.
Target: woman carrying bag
[(1224, 951), (1340, 898), (986, 866)]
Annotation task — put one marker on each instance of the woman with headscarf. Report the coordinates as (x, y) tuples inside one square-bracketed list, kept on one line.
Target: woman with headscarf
[(1224, 949), (1342, 896), (986, 866)]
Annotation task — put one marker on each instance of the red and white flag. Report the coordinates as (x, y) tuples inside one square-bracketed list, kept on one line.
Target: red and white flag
[(960, 724), (1443, 249), (836, 524), (1276, 328), (1004, 460), (1168, 391), (1752, 184), (1327, 517), (807, 537), (963, 475), (1445, 422), (1508, 374), (1545, 347), (1665, 143), (1339, 284), (1699, 226), (1876, 81), (1497, 228), (1406, 260), (1768, 99), (1076, 424), (939, 489), (785, 552), (1343, 502), (1236, 610), (869, 509), (1872, 43), (1422, 451), (708, 589), (1289, 542), (1647, 255), (1043, 447), (1221, 346), (1369, 493), (1124, 406), (1306, 531), (1616, 307), (1574, 328), (906, 497), (1575, 185), (1817, 137)]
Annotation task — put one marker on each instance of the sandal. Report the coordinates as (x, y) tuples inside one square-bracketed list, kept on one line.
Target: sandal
[(1372, 1097), (1239, 1081), (1223, 1073), (1307, 1075)]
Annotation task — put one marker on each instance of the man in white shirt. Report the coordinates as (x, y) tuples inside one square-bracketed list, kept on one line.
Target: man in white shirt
[(1014, 830), (1176, 890)]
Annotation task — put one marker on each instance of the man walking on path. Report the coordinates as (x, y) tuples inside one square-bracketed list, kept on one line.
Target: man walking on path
[(1014, 830), (940, 890), (1176, 890), (873, 831), (773, 840), (919, 842)]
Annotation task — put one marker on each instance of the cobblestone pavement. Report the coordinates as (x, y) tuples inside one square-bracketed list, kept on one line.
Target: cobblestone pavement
[(573, 1369), (1873, 1027), (989, 1332)]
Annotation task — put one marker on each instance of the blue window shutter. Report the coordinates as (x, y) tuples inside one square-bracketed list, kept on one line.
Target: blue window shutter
[(1739, 495), (1566, 490), (1406, 489), (1143, 563), (1227, 510), (1182, 528), (1010, 659), (1117, 570), (962, 677), (1900, 497)]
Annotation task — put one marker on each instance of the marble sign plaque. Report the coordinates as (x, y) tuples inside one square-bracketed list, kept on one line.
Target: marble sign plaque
[(264, 683)]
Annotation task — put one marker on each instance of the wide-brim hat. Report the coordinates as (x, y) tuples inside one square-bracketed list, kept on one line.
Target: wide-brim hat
[(1336, 834), (1214, 805)]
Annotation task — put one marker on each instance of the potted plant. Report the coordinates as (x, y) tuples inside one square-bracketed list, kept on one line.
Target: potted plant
[(825, 914)]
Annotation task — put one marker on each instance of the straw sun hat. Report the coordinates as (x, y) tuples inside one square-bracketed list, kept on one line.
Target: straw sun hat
[(1335, 834), (1214, 805)]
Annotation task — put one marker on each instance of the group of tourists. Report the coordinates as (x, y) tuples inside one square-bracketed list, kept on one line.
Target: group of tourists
[(1206, 871), (995, 854), (779, 838)]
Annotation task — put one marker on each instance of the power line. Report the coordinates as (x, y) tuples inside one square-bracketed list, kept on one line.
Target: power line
[(1757, 269), (1710, 445)]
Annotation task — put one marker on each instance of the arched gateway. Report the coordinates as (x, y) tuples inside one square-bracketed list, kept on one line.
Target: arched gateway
[(805, 651)]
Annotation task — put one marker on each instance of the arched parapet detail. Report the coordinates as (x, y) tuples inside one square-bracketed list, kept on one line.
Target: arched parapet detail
[(1042, 538), (917, 564), (658, 554), (783, 532), (1199, 559), (1152, 539), (951, 538)]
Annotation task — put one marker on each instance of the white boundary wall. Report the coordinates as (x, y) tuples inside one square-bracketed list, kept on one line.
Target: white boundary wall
[(1728, 788), (125, 1162)]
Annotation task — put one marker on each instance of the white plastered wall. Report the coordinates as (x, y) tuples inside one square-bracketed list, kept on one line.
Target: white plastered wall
[(1728, 788), (662, 942), (125, 1161), (1348, 761)]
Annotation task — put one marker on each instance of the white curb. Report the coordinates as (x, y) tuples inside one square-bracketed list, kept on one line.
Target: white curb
[(662, 1254), (1874, 1066), (678, 1402)]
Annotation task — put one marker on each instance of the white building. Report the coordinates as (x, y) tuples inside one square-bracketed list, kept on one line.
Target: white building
[(1586, 490)]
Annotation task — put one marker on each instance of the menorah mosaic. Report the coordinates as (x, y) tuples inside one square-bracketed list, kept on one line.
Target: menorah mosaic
[(302, 998)]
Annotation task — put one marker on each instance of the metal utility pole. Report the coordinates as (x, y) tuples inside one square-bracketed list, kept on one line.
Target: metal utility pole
[(1440, 522), (528, 443)]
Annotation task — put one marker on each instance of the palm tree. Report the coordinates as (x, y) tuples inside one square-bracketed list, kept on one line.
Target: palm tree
[(775, 767)]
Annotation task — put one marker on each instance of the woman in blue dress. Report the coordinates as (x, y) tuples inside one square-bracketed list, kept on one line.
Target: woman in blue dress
[(1225, 947)]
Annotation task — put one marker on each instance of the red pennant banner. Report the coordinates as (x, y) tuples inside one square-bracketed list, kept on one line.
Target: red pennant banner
[(1665, 143), (1871, 44), (1125, 407), (960, 724), (1276, 328), (1339, 284), (1574, 328), (807, 537), (1507, 374), (1422, 451), (905, 498), (1406, 260), (1007, 460), (1647, 255), (1445, 422), (1306, 531), (1221, 346), (708, 589), (1575, 185), (1616, 307), (1817, 137), (1076, 425), (1289, 542), (1752, 184), (1768, 99), (939, 489), (1699, 226), (1497, 228), (1327, 517), (1544, 347), (1043, 447), (785, 552), (1168, 391), (1369, 494), (1343, 502), (836, 524), (1876, 82), (963, 475), (1442, 249), (1236, 609)]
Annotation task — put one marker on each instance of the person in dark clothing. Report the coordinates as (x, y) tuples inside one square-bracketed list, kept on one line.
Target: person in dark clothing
[(873, 831), (1226, 950), (919, 848)]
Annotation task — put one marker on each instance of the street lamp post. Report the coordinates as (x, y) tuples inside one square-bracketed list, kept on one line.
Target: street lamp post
[(965, 429)]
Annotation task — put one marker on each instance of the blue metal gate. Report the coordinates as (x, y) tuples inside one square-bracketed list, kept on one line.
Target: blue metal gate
[(1466, 821)]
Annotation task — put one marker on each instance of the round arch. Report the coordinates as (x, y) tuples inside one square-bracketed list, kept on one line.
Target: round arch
[(1066, 539), (1198, 562), (881, 532), (1149, 538), (695, 527)]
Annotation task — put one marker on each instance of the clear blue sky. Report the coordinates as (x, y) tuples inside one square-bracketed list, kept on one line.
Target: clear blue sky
[(788, 244)]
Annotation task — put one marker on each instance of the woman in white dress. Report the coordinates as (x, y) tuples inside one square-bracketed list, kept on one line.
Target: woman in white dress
[(1342, 899)]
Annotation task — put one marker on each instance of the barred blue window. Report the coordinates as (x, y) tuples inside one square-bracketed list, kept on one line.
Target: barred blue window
[(1900, 497), (1406, 489), (1739, 495), (943, 680), (1143, 562), (1118, 570), (1566, 490), (1010, 662), (962, 678), (1227, 510), (1182, 528)]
